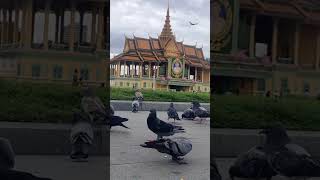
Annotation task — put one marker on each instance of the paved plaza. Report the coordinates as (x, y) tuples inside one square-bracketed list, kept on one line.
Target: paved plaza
[(129, 161), (62, 168)]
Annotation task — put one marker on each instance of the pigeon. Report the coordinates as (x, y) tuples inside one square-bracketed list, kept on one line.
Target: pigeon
[(160, 127), (118, 121), (215, 174), (252, 164), (135, 106), (81, 136), (7, 163), (172, 113), (286, 158), (199, 111), (192, 24), (175, 147), (188, 114)]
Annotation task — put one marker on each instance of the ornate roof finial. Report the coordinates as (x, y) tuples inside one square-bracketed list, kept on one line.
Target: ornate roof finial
[(166, 33)]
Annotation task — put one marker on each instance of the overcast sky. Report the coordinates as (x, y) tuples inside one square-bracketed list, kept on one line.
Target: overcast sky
[(146, 17)]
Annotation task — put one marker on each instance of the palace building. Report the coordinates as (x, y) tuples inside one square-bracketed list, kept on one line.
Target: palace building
[(266, 45), (160, 63), (52, 40)]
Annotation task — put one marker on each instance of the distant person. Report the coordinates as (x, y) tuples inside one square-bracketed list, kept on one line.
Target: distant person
[(135, 105), (139, 96), (75, 78), (7, 163), (93, 106)]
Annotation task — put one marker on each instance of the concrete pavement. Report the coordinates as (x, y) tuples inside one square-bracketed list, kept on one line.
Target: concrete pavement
[(62, 168), (130, 161)]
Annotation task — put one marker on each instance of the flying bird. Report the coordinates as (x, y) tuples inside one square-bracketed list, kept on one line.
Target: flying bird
[(252, 164), (172, 113), (175, 147), (286, 158), (160, 127), (193, 24)]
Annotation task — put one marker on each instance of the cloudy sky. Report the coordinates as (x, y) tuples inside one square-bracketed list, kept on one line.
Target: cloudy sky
[(146, 17)]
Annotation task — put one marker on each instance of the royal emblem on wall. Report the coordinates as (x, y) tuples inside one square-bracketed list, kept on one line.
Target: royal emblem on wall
[(222, 24), (176, 67)]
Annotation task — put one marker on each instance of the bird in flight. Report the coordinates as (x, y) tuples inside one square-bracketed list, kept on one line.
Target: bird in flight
[(193, 24)]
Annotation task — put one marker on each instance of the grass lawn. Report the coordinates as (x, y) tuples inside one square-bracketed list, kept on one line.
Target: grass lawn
[(298, 113), (149, 95), (35, 102)]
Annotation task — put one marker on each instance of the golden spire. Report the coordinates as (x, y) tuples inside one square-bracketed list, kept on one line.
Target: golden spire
[(166, 33)]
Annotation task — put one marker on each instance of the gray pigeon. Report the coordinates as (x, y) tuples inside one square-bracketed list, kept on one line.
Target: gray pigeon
[(286, 158), (252, 164), (160, 127), (176, 147), (199, 111), (188, 114), (172, 113)]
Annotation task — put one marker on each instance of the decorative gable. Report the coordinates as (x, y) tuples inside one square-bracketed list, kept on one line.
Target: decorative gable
[(171, 49)]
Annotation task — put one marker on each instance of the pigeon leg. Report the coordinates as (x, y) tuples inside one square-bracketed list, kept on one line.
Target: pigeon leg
[(178, 160)]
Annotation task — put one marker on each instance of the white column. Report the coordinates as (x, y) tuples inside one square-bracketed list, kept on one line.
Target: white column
[(16, 24), (252, 36), (100, 28), (72, 32), (2, 27), (202, 75), (46, 24), (196, 73), (93, 27), (296, 43), (275, 40), (318, 50)]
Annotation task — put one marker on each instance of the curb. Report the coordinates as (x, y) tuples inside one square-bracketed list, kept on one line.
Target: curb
[(160, 106), (49, 139)]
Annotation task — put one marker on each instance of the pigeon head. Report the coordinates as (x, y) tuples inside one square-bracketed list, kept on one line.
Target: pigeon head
[(276, 135), (195, 104), (153, 113)]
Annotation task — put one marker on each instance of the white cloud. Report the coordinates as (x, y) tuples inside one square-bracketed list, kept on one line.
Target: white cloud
[(146, 17)]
